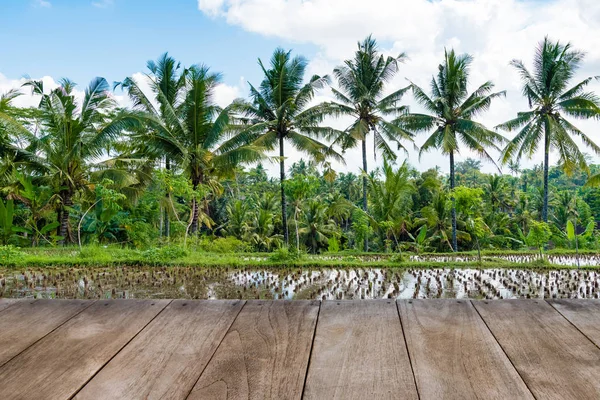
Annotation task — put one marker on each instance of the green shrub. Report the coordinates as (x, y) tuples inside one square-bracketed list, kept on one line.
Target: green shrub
[(155, 255), (333, 246), (9, 254), (223, 245), (286, 254)]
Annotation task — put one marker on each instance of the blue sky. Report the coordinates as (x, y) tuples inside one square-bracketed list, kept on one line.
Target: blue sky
[(81, 39), (78, 40)]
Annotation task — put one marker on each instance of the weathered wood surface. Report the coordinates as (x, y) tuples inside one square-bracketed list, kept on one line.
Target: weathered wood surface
[(166, 359), (264, 355), (454, 355), (364, 349), (359, 353), (555, 360), (5, 303), (57, 366), (30, 320), (583, 313)]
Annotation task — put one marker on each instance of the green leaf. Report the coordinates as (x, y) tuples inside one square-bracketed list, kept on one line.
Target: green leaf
[(570, 230)]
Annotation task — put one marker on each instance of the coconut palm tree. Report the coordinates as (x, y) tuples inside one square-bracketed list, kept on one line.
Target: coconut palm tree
[(196, 135), (550, 101), (167, 84), (280, 112), (74, 135), (13, 130), (452, 110), (362, 96)]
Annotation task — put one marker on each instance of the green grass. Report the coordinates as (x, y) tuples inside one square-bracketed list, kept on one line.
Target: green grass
[(97, 256)]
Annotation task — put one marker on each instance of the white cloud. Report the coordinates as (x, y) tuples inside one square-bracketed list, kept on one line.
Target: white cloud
[(493, 31), (225, 94), (43, 3)]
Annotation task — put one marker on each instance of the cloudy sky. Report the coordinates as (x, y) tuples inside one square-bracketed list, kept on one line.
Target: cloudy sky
[(81, 39)]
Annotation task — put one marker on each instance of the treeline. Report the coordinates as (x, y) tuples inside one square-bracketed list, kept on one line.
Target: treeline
[(176, 167)]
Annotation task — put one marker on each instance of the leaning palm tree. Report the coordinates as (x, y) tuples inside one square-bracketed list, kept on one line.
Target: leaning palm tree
[(361, 96), (550, 100), (196, 134), (167, 83), (452, 110), (280, 112), (13, 132), (72, 136)]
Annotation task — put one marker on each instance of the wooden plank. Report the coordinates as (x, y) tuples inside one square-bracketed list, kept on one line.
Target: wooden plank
[(57, 366), (454, 355), (555, 360), (359, 353), (264, 355), (5, 303), (28, 321), (583, 313), (167, 358)]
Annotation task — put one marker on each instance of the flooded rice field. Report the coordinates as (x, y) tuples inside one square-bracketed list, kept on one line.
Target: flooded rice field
[(566, 260), (320, 284)]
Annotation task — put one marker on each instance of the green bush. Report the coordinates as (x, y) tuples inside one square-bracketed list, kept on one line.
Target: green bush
[(155, 255), (286, 254), (223, 245), (9, 253)]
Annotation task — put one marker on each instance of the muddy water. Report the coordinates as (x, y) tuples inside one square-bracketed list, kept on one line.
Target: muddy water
[(223, 283)]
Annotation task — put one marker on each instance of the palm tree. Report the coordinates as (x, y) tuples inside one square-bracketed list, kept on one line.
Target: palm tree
[(361, 96), (74, 135), (279, 111), (392, 200), (13, 130), (197, 135), (167, 83), (316, 227), (550, 100), (452, 110)]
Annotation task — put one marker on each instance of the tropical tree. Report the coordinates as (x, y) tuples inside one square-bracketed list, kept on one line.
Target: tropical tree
[(73, 136), (550, 101), (391, 200), (315, 226), (280, 112), (362, 96), (167, 84), (452, 110), (13, 129), (197, 135)]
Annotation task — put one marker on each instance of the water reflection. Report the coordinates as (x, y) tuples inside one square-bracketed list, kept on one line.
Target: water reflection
[(320, 284)]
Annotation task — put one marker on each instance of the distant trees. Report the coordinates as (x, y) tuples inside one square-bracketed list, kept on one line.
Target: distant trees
[(120, 174)]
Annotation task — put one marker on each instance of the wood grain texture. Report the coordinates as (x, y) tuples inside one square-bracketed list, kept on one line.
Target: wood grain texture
[(264, 355), (359, 353), (583, 313), (28, 321), (167, 358), (57, 366), (555, 360), (5, 303), (454, 355)]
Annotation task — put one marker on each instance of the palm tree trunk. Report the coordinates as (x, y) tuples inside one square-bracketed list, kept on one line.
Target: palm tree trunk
[(364, 156), (167, 224), (196, 181), (286, 238), (454, 241), (546, 156), (64, 218), (194, 226)]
